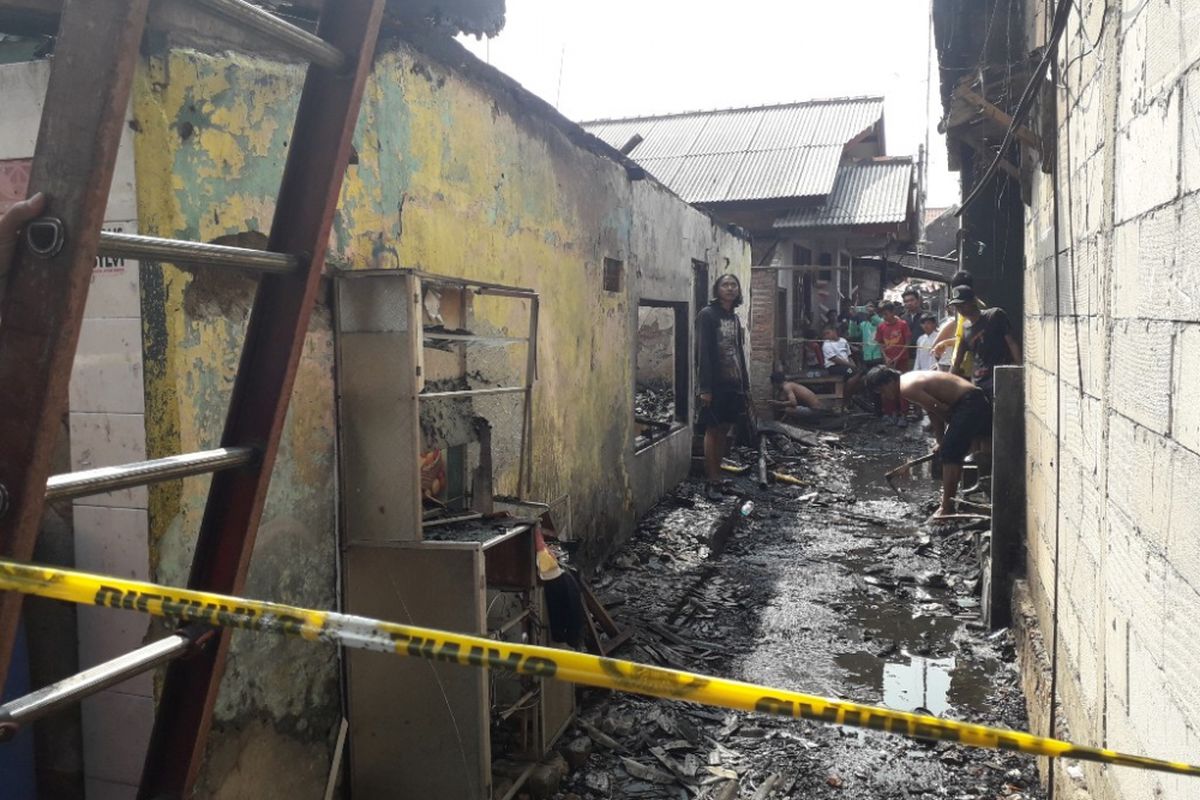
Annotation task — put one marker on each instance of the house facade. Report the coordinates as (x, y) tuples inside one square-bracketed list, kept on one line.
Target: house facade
[(812, 183)]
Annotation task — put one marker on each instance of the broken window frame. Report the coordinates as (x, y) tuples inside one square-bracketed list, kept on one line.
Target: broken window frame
[(682, 372)]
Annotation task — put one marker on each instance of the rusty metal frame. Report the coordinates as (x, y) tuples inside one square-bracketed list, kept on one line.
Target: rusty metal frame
[(92, 73), (308, 196)]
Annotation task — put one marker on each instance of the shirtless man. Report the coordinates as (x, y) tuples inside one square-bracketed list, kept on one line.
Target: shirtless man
[(792, 399), (958, 409)]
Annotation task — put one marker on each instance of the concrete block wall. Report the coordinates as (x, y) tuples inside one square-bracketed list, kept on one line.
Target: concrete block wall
[(1112, 342)]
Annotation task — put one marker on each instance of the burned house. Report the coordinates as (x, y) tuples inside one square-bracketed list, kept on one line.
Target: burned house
[(814, 186), (472, 350)]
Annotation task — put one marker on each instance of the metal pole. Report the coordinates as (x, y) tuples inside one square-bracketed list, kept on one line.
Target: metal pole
[(312, 48), (110, 479), (150, 248), (525, 467), (47, 700), (472, 392)]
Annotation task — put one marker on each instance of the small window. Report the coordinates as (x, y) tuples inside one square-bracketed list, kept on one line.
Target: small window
[(826, 260), (613, 270), (801, 256), (662, 382)]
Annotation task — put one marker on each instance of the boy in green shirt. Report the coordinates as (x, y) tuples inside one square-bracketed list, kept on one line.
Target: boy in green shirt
[(862, 331)]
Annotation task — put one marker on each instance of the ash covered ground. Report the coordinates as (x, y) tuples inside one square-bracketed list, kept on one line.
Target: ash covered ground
[(832, 588)]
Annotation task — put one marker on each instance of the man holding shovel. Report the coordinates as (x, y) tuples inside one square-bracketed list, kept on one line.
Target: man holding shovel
[(959, 411)]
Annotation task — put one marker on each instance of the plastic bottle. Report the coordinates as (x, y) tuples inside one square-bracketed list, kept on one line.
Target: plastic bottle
[(747, 508)]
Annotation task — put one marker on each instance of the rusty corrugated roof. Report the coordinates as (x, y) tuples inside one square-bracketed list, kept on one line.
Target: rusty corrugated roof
[(866, 193), (760, 153)]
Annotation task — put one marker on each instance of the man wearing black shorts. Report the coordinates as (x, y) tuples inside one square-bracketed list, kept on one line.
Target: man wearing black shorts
[(960, 412), (724, 379)]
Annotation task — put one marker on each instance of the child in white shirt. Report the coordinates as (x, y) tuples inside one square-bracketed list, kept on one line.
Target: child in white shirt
[(925, 359)]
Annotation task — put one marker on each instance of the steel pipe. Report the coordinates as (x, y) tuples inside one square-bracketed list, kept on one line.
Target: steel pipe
[(473, 392), (49, 699), (128, 245), (297, 40), (109, 479)]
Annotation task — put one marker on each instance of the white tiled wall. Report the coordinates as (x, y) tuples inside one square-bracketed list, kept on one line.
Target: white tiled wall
[(107, 426)]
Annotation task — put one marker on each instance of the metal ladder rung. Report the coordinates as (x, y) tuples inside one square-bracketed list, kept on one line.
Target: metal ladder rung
[(472, 392), (48, 699), (124, 476), (128, 245), (297, 40)]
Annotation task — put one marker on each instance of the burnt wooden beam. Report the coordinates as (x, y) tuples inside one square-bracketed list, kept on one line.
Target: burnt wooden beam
[(1023, 134)]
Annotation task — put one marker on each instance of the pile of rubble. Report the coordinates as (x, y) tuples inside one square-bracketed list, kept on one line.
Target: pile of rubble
[(826, 586), (654, 402)]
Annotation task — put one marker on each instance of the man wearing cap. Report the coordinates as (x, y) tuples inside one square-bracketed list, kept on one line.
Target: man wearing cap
[(987, 335)]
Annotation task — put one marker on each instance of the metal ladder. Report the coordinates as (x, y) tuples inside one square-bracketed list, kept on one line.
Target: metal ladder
[(97, 49)]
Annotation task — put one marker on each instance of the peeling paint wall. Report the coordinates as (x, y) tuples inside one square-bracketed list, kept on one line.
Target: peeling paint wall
[(456, 171)]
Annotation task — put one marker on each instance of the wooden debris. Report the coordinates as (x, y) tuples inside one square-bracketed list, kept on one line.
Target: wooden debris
[(601, 738), (767, 786), (729, 790), (762, 461), (645, 773)]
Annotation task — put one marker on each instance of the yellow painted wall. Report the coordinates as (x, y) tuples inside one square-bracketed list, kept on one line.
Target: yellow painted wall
[(457, 172)]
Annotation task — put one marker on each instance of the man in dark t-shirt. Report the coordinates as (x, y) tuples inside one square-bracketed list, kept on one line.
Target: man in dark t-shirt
[(913, 311), (724, 378), (987, 334)]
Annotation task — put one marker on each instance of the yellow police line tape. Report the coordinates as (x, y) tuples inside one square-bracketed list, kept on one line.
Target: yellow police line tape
[(546, 662)]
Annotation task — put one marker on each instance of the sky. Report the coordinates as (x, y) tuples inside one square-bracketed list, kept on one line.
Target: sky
[(622, 58)]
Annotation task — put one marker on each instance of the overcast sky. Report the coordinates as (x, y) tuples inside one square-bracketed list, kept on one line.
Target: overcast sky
[(623, 58)]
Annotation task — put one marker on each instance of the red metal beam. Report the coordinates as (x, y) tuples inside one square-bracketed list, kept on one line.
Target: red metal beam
[(312, 180), (43, 309)]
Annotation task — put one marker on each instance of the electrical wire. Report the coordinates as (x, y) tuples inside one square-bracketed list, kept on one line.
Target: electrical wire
[(1083, 35), (1054, 182), (1061, 15)]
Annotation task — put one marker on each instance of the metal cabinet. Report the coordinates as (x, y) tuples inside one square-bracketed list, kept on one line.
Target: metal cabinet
[(419, 728)]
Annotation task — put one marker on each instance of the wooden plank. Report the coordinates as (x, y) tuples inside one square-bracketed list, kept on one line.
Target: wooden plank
[(76, 153), (996, 115), (1008, 495), (308, 195)]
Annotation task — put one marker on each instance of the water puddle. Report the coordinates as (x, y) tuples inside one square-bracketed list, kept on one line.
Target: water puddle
[(921, 683), (905, 624)]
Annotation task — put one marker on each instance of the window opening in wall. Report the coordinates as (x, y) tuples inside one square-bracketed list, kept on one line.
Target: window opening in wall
[(801, 256), (613, 271), (661, 384)]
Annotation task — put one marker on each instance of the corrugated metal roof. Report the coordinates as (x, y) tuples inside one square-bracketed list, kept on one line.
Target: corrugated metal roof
[(867, 193), (796, 172), (771, 152)]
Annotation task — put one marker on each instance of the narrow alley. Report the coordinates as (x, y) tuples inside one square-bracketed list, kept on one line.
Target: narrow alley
[(834, 587), (544, 400)]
